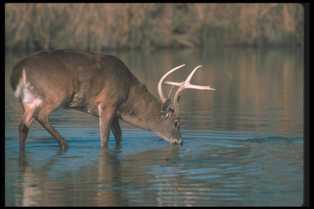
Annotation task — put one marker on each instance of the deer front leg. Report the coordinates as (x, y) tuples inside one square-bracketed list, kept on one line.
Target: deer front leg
[(116, 130), (105, 119)]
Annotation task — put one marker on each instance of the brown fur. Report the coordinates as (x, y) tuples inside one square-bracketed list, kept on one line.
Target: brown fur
[(98, 84)]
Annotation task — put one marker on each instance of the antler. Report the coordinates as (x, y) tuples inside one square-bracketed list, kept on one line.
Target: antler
[(160, 92), (187, 85), (182, 85)]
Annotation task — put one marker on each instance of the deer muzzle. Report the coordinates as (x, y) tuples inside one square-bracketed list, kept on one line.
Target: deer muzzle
[(176, 141)]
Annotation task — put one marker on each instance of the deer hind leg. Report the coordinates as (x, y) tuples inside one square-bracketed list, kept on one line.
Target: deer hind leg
[(26, 122), (106, 115), (42, 119), (116, 130)]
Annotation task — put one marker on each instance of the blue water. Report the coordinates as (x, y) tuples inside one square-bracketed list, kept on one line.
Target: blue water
[(243, 144)]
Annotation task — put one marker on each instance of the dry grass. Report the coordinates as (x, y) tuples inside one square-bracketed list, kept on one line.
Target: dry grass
[(102, 26)]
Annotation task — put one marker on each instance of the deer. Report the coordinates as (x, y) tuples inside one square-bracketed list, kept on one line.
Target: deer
[(97, 84)]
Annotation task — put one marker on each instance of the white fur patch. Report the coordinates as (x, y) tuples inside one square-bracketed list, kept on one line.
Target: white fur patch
[(102, 140), (17, 92), (99, 113), (21, 85), (29, 98), (24, 90)]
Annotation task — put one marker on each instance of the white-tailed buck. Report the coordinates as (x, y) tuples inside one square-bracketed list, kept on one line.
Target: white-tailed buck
[(98, 84)]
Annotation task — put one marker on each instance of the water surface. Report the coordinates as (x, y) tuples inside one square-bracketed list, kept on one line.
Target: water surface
[(243, 143)]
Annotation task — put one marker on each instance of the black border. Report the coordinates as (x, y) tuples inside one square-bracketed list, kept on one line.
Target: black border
[(2, 13), (306, 144)]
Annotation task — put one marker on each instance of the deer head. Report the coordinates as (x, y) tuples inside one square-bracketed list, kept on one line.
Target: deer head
[(170, 107)]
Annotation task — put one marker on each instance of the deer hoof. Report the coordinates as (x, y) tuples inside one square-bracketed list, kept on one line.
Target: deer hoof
[(64, 146)]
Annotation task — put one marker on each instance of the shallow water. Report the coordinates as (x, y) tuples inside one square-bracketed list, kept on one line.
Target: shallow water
[(243, 143)]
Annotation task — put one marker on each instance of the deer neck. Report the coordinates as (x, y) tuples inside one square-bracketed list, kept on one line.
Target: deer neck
[(141, 109)]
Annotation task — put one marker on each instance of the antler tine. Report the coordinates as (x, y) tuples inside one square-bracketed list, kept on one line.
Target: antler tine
[(173, 83), (160, 92), (169, 93), (187, 85), (188, 79)]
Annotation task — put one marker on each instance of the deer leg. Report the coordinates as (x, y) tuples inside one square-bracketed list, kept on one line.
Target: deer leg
[(25, 124), (42, 119), (106, 115), (116, 130), (53, 132)]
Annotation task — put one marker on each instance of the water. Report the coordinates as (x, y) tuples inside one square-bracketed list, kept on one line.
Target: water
[(243, 143)]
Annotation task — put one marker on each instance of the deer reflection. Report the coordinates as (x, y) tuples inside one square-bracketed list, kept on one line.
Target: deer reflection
[(103, 182), (108, 175), (144, 170), (40, 188), (118, 176), (152, 177), (35, 181)]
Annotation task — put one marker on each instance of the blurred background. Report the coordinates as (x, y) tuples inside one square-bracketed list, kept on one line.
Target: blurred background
[(151, 26)]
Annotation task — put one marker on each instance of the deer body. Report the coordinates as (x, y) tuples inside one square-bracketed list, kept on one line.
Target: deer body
[(98, 84)]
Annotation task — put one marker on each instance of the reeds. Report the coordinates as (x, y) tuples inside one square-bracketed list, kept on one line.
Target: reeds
[(128, 26)]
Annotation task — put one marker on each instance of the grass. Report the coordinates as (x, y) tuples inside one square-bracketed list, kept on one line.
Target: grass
[(150, 26)]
